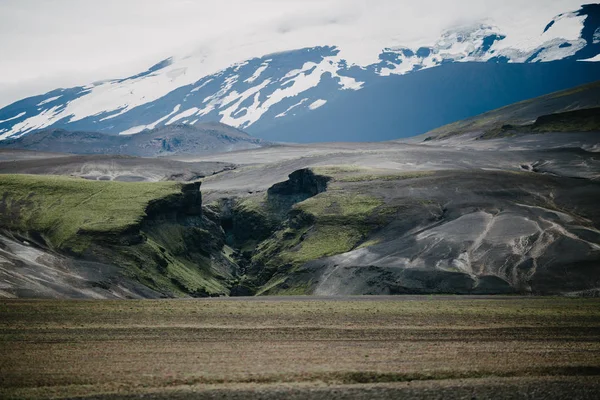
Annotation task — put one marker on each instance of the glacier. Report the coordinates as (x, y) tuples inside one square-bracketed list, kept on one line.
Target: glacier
[(255, 92)]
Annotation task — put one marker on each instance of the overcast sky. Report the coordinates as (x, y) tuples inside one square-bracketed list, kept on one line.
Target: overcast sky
[(45, 44)]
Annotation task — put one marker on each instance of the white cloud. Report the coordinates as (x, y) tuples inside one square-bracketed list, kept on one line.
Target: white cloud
[(61, 43)]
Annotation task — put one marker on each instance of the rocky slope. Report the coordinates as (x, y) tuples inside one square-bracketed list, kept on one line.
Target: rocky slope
[(107, 168), (417, 219), (572, 110), (356, 219), (512, 214), (67, 237), (172, 140)]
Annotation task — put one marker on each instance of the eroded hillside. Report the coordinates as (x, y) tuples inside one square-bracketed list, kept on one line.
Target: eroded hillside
[(514, 213), (69, 237)]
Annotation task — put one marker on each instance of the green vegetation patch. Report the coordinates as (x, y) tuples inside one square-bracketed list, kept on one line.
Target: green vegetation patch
[(61, 207), (330, 223), (332, 170), (585, 120), (325, 241), (253, 220), (371, 242), (253, 204), (353, 173), (344, 207), (385, 177), (283, 287)]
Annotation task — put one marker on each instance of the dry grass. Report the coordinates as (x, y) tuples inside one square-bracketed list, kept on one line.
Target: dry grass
[(71, 348)]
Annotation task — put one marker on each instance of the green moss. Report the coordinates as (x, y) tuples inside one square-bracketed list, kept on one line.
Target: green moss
[(60, 207), (330, 223), (332, 170), (325, 241), (282, 286), (277, 250), (170, 237), (186, 256), (591, 124), (386, 177), (271, 285), (153, 265), (299, 289), (252, 220), (252, 204), (345, 207), (352, 173), (369, 243), (97, 219), (228, 253), (195, 280)]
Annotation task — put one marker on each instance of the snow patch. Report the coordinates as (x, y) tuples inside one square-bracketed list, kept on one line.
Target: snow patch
[(134, 130), (253, 112), (317, 104), (593, 59), (51, 99), (201, 86), (553, 50), (115, 98), (120, 96), (283, 114), (12, 118), (566, 26), (31, 123), (294, 83), (257, 73), (152, 125), (187, 113)]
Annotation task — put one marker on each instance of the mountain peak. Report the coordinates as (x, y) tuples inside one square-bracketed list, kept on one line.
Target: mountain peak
[(266, 90)]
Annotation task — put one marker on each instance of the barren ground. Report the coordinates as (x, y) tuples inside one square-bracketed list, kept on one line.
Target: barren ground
[(385, 347)]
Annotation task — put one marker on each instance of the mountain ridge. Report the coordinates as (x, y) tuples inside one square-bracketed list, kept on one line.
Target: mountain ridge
[(260, 92), (172, 140), (524, 113)]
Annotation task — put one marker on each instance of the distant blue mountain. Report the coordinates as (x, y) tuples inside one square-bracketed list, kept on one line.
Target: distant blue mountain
[(314, 94), (402, 106)]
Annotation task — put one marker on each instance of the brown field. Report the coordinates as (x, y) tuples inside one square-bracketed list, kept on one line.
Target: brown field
[(412, 347)]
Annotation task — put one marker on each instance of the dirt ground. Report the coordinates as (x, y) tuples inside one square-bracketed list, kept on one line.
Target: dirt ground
[(443, 347)]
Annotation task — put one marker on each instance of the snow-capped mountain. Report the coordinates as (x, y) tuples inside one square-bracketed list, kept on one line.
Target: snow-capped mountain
[(266, 93)]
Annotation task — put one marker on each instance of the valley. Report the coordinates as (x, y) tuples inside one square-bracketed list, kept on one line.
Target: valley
[(457, 214), (288, 199)]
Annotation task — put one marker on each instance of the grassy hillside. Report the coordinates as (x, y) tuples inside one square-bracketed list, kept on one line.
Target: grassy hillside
[(175, 251), (335, 221), (526, 113), (379, 219), (61, 208)]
